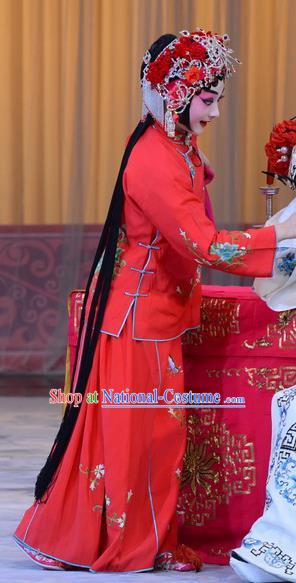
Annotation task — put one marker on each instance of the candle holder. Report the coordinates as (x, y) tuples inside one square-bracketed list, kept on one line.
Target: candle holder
[(269, 192)]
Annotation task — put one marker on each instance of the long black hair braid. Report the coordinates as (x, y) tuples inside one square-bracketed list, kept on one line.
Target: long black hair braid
[(106, 253)]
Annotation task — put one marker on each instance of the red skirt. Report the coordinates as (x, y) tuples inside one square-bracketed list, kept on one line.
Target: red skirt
[(112, 505)]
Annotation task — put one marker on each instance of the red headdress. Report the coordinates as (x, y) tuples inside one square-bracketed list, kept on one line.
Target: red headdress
[(187, 65)]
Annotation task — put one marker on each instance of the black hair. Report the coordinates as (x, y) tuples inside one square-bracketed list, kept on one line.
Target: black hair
[(106, 252)]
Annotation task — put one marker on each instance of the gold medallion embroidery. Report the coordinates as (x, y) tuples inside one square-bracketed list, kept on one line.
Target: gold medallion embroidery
[(217, 465)]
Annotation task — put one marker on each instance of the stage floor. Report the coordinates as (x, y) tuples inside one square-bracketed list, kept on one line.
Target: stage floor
[(28, 427)]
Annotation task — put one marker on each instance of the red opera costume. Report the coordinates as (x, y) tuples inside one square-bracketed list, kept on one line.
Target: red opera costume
[(112, 505)]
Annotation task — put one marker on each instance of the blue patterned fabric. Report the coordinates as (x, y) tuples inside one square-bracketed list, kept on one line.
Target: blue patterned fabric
[(270, 544)]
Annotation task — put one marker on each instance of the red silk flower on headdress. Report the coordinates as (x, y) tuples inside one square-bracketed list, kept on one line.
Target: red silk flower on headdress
[(188, 48), (193, 58), (282, 140), (159, 68)]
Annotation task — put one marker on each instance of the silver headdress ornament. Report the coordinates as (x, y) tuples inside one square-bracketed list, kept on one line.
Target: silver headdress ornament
[(187, 65)]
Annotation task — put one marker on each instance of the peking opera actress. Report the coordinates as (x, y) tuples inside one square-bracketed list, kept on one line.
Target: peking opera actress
[(105, 500)]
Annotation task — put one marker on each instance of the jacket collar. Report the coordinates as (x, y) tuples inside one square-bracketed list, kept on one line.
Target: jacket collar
[(180, 139)]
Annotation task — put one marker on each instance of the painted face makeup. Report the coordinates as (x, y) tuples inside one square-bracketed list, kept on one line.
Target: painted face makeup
[(204, 107)]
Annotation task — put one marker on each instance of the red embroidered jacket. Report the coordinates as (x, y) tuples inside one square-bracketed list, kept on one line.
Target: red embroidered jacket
[(166, 237)]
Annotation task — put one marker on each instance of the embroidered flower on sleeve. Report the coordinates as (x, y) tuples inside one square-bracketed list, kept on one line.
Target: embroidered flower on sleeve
[(231, 253), (227, 252)]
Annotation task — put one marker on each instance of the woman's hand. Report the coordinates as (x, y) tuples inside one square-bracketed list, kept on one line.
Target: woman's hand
[(287, 229)]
